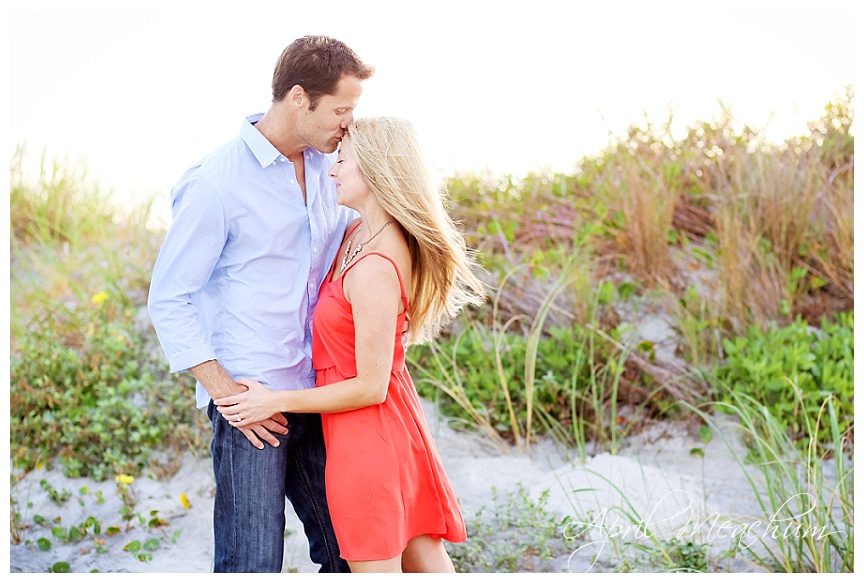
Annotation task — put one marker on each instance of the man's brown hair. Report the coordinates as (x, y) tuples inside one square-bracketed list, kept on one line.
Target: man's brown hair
[(316, 63)]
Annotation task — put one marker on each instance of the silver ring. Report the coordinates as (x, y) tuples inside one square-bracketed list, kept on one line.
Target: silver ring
[(239, 419)]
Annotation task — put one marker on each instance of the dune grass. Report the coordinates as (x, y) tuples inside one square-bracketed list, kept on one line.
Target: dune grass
[(806, 497)]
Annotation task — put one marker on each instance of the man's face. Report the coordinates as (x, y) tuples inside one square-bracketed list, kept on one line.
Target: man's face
[(323, 127)]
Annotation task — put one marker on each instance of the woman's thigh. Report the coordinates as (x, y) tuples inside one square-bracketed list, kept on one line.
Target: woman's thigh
[(426, 554)]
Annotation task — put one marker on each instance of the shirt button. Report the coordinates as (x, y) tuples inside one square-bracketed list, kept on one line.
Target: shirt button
[(293, 181)]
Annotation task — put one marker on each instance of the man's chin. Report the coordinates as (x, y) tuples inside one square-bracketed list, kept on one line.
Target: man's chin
[(329, 147)]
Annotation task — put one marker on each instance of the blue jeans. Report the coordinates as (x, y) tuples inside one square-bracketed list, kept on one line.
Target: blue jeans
[(251, 488)]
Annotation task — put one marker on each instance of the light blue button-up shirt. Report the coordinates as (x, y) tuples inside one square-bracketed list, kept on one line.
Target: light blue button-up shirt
[(238, 274)]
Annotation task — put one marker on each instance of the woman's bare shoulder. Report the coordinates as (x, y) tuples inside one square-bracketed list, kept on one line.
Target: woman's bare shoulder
[(373, 278), (352, 225), (373, 266)]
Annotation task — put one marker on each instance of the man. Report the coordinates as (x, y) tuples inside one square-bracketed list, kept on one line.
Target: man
[(255, 228)]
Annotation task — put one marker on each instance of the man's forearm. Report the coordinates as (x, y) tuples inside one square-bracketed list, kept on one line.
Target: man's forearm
[(215, 379)]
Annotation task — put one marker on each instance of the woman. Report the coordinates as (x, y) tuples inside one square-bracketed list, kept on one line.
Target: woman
[(402, 261)]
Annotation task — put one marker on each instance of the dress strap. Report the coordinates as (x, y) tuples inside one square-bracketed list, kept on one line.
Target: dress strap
[(354, 228), (393, 263)]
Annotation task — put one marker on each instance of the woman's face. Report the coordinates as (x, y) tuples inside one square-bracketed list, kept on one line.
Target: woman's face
[(351, 188)]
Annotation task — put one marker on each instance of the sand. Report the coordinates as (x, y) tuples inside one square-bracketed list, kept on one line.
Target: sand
[(655, 475)]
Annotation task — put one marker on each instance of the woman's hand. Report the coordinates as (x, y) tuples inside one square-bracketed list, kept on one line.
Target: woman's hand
[(255, 405)]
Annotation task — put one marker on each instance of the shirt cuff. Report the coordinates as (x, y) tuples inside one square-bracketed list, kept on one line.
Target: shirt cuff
[(185, 360)]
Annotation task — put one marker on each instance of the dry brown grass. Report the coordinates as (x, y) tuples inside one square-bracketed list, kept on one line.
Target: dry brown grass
[(647, 202), (753, 283), (833, 247)]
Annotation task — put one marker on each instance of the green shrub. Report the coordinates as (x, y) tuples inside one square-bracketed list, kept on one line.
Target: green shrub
[(92, 393), (792, 370)]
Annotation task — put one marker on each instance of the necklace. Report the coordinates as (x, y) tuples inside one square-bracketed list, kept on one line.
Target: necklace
[(348, 258)]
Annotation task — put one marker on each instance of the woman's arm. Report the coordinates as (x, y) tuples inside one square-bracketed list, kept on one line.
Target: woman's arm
[(373, 290)]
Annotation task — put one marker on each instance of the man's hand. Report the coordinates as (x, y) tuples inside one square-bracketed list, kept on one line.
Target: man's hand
[(219, 384), (265, 430)]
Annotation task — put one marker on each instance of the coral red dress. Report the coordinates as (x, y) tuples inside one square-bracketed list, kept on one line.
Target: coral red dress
[(384, 478)]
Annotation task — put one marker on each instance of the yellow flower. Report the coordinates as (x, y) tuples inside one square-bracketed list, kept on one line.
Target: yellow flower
[(99, 298), (184, 500), (124, 479)]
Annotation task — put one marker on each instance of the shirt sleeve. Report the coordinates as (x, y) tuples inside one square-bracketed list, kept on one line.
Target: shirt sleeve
[(192, 247)]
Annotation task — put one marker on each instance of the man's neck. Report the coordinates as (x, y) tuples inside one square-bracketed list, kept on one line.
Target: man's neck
[(277, 126)]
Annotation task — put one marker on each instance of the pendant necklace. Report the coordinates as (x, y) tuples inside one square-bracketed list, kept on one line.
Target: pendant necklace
[(347, 259)]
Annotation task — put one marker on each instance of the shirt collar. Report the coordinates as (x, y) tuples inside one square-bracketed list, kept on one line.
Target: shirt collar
[(265, 152)]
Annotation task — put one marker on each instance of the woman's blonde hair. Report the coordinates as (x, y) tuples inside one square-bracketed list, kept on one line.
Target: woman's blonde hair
[(442, 277)]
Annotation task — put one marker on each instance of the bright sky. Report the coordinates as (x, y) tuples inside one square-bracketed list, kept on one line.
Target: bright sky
[(507, 86)]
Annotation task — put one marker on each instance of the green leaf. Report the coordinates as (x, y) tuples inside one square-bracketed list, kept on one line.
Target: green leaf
[(646, 346), (60, 567), (606, 293), (626, 289), (76, 533)]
